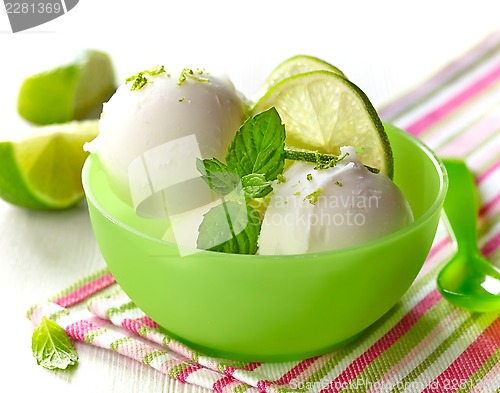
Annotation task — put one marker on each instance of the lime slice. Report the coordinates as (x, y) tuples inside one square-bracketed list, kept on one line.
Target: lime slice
[(44, 171), (72, 91), (324, 111), (298, 65)]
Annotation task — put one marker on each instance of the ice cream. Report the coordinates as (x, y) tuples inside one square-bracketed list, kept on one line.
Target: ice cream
[(164, 108), (324, 209)]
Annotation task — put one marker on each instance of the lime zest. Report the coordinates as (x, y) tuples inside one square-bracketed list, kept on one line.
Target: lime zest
[(140, 79), (192, 74), (314, 196)]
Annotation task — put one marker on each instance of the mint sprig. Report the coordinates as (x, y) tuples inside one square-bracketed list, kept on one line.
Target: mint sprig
[(256, 159), (255, 185), (51, 346), (259, 146), (217, 175), (231, 227)]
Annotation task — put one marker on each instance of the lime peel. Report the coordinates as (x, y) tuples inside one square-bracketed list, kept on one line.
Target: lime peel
[(324, 111), (43, 171)]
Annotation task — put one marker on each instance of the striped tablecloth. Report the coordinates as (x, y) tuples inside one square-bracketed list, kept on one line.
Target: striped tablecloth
[(422, 344)]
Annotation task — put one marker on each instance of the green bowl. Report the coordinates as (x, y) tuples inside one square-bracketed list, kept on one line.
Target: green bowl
[(269, 308)]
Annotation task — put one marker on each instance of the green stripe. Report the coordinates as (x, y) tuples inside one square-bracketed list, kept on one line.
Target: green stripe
[(144, 330), (151, 356), (89, 337), (80, 283), (118, 310), (464, 127), (491, 161), (58, 314), (436, 128), (115, 344), (176, 370), (73, 287), (480, 117), (390, 319), (482, 320), (376, 369), (230, 363), (116, 292), (166, 341), (195, 356), (448, 82), (242, 388), (483, 370)]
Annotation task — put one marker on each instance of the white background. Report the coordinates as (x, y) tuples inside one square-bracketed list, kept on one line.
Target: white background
[(385, 47)]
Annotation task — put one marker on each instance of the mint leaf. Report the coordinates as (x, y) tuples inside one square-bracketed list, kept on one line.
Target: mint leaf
[(51, 346), (217, 175), (259, 146), (230, 227), (255, 185)]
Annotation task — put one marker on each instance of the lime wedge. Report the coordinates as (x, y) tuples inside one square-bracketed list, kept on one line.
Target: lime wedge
[(44, 171), (298, 65), (324, 111), (73, 91)]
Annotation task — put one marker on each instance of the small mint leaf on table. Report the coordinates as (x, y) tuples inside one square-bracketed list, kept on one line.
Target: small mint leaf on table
[(231, 227), (255, 185), (259, 146), (217, 175), (51, 346)]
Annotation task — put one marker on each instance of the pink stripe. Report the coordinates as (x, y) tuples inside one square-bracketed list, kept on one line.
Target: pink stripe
[(471, 359), (238, 387), (184, 374), (431, 260), (399, 330), (487, 381), (263, 386), (219, 385), (135, 349), (482, 176), (181, 349), (78, 330), (167, 365), (295, 371), (393, 109), (229, 370), (321, 362), (441, 111), (438, 247), (491, 245), (469, 140), (85, 291), (135, 324), (489, 205), (402, 364)]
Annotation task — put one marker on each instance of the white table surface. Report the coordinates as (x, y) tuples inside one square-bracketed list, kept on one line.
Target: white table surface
[(385, 47)]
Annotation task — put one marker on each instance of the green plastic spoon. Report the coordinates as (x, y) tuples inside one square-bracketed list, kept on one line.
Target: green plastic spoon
[(469, 280)]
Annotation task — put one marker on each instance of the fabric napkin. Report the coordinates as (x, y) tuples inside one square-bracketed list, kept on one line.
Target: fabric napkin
[(422, 344)]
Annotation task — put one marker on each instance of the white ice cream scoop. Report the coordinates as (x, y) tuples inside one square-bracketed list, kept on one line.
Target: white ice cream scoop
[(319, 210), (166, 108)]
